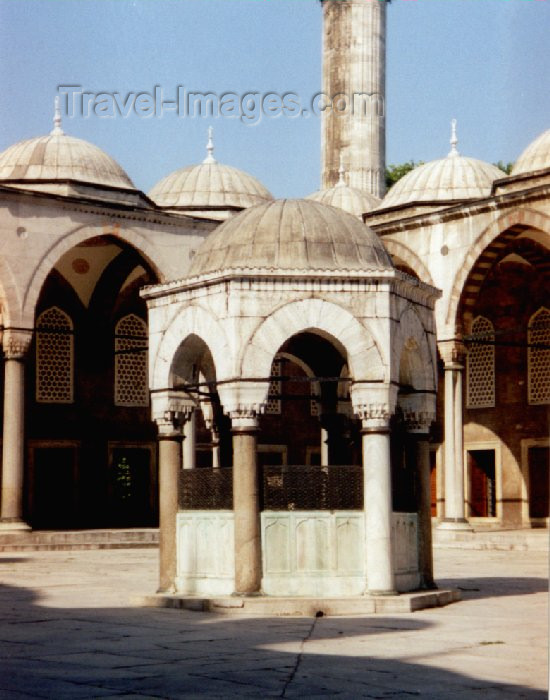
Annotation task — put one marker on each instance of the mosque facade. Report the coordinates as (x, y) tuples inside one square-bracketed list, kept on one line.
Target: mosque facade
[(297, 388)]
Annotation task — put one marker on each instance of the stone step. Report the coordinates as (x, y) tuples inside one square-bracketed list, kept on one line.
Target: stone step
[(536, 540), (78, 539)]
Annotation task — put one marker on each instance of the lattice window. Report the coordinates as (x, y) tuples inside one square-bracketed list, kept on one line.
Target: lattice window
[(54, 357), (481, 365), (131, 382), (273, 406), (538, 358)]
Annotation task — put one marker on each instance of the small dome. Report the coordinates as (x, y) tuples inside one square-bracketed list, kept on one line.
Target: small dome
[(535, 157), (209, 185), (349, 199), (451, 179), (291, 235), (58, 157)]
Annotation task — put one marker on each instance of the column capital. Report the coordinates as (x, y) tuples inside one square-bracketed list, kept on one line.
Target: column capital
[(16, 343), (243, 401), (452, 352), (244, 419), (170, 410), (419, 411), (374, 404)]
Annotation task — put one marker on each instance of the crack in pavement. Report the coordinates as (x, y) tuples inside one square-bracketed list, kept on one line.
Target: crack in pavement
[(305, 640)]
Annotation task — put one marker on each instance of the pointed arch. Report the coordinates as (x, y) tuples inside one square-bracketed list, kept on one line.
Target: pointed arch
[(333, 322), (51, 257), (191, 321), (484, 252), (399, 251), (413, 357)]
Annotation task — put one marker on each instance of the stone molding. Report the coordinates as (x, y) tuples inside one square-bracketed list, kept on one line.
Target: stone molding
[(16, 343)]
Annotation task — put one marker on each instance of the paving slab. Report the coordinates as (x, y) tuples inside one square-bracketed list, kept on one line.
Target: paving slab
[(68, 630)]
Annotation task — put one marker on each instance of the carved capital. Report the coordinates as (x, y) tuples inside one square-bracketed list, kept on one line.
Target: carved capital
[(374, 416), (452, 353), (245, 418), (419, 421), (171, 410), (243, 401), (374, 404), (16, 343)]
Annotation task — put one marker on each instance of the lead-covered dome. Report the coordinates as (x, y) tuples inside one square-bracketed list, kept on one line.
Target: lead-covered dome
[(294, 235), (349, 199), (209, 189), (47, 163), (535, 157), (448, 180)]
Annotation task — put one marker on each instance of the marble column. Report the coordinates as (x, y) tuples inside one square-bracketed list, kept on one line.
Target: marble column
[(190, 442), (16, 345), (170, 460), (454, 441), (246, 505), (378, 505)]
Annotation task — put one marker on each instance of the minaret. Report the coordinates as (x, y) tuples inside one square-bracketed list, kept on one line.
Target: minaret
[(354, 69)]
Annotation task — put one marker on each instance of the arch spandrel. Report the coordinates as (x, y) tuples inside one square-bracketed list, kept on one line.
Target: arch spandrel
[(333, 322), (191, 321), (518, 218), (81, 234)]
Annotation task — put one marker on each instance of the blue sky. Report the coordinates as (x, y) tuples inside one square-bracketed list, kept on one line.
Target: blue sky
[(485, 62)]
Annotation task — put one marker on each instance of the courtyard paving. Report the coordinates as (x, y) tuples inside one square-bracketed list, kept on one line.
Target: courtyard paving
[(69, 629)]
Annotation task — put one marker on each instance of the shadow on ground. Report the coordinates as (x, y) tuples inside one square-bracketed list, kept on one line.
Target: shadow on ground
[(150, 653)]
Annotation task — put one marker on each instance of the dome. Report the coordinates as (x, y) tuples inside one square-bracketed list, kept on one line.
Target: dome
[(209, 185), (535, 157), (291, 234), (451, 179), (58, 157), (349, 199)]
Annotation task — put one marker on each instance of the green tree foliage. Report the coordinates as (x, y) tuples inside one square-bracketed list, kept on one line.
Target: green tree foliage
[(506, 167), (394, 173)]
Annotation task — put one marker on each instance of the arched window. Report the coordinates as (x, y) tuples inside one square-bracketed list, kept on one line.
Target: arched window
[(54, 357), (481, 365), (131, 383), (538, 357)]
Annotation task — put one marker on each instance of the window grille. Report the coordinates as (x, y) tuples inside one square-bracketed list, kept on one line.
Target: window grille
[(481, 365), (54, 357), (273, 406), (131, 381), (538, 358)]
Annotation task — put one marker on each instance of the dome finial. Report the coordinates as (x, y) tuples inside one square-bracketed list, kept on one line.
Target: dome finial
[(57, 118), (454, 139), (210, 147), (341, 171)]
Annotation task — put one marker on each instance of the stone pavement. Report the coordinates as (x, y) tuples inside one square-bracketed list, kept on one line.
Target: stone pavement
[(67, 630)]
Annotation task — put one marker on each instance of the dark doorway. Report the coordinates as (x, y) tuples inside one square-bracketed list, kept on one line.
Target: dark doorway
[(481, 472), (54, 494), (538, 482), (133, 498)]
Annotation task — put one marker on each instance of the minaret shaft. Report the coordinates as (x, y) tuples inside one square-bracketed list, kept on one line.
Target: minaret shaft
[(354, 66)]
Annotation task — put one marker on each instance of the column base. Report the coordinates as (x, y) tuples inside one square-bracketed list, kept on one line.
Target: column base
[(455, 524), (254, 594), (14, 525), (382, 593)]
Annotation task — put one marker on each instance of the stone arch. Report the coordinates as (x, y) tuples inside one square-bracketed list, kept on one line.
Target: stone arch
[(10, 297), (333, 322), (398, 250), (192, 321), (129, 236), (484, 251)]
